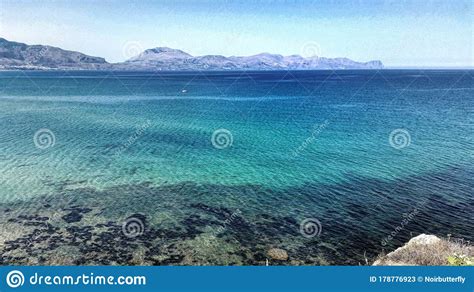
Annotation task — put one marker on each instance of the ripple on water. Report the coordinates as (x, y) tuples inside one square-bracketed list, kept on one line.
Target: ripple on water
[(186, 224)]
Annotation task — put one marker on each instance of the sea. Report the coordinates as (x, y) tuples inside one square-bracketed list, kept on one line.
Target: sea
[(224, 168)]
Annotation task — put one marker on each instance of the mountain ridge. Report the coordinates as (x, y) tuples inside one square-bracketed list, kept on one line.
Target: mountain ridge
[(15, 55), (164, 58), (20, 56)]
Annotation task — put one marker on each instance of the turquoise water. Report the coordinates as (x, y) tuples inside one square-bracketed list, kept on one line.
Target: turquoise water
[(356, 150)]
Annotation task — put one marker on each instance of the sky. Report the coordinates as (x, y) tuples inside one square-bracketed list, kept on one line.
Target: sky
[(416, 33)]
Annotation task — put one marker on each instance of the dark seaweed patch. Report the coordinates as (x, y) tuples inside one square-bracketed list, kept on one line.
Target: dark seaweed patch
[(351, 229)]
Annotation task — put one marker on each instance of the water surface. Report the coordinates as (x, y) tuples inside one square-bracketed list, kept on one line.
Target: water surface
[(356, 151)]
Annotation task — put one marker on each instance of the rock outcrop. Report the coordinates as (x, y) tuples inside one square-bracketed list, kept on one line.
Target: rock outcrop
[(278, 254), (425, 250)]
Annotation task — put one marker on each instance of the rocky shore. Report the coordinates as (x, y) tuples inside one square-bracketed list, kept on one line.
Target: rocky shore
[(429, 250)]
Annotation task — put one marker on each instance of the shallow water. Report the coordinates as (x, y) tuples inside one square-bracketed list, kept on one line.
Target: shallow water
[(355, 151)]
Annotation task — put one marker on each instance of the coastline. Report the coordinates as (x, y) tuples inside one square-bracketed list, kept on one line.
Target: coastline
[(429, 250)]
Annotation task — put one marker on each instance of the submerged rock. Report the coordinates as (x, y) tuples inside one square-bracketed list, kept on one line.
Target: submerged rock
[(72, 217)]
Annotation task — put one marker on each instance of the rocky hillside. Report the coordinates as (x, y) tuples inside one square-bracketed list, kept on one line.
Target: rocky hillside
[(15, 55)]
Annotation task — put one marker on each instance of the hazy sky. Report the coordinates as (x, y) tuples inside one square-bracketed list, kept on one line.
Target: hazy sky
[(400, 33)]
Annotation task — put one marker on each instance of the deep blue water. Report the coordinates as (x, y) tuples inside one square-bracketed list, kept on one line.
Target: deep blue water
[(219, 167)]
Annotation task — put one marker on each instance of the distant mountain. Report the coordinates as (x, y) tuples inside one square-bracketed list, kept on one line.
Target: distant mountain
[(176, 60), (15, 55), (163, 54)]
